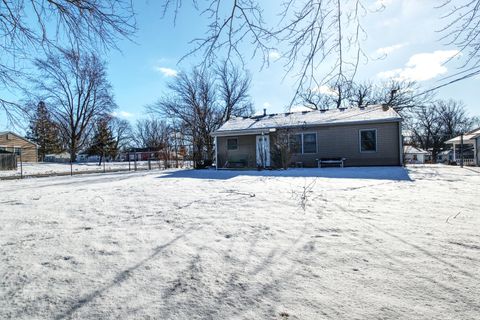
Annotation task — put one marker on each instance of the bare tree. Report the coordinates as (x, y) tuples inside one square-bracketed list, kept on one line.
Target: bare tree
[(319, 40), (335, 95), (396, 94), (30, 27), (426, 129), (151, 133), (454, 118), (362, 94), (311, 32), (192, 103), (233, 87), (461, 29), (200, 101), (75, 85), (122, 133), (435, 123)]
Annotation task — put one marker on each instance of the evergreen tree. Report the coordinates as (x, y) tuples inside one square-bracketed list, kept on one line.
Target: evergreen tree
[(44, 132), (103, 143)]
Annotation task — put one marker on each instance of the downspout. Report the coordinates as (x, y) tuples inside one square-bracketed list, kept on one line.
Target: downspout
[(216, 153), (400, 138)]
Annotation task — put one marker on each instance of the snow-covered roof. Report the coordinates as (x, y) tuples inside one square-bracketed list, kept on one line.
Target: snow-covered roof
[(413, 150), (468, 138), (375, 113)]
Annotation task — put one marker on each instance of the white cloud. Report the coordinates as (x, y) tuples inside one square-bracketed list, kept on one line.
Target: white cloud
[(122, 114), (323, 89), (167, 72), (421, 66), (274, 55), (388, 50)]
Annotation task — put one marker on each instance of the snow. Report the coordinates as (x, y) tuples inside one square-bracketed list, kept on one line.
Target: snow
[(413, 150), (45, 168), (328, 117), (372, 243)]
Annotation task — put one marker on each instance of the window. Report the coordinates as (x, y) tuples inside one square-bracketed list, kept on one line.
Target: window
[(232, 144), (368, 140), (17, 150), (309, 143), (304, 143)]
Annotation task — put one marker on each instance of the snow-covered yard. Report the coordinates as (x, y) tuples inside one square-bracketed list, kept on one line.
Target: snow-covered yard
[(46, 168), (371, 243)]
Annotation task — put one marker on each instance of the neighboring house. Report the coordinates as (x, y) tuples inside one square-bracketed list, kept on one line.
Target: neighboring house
[(62, 157), (369, 136), (471, 147), (17, 144), (144, 154), (445, 156), (415, 155)]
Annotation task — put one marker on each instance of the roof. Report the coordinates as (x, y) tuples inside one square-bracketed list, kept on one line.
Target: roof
[(17, 135), (468, 137), (270, 122), (413, 150)]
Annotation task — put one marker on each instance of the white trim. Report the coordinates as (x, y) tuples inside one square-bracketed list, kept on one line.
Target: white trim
[(316, 142), (301, 133), (400, 138), (216, 153), (360, 140)]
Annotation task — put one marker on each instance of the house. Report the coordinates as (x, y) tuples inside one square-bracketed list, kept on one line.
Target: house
[(415, 155), (470, 143), (369, 136), (445, 156), (24, 148), (62, 157)]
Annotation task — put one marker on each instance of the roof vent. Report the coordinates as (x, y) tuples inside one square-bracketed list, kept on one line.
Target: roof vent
[(304, 112), (341, 109), (322, 110), (264, 112), (385, 107)]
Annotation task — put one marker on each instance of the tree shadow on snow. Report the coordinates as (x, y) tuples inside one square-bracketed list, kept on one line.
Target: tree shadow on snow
[(374, 173)]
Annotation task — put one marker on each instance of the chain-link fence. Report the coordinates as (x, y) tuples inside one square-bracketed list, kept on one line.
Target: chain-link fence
[(133, 162)]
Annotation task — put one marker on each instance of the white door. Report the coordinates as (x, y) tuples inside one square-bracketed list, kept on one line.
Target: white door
[(263, 151)]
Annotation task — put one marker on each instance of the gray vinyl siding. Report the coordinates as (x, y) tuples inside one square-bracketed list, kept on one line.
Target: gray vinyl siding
[(245, 152), (339, 141), (344, 142)]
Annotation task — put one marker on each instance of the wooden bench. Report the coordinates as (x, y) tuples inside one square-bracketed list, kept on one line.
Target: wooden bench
[(338, 161)]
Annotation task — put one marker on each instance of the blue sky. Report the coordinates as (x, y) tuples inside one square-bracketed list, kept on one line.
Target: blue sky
[(404, 34)]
